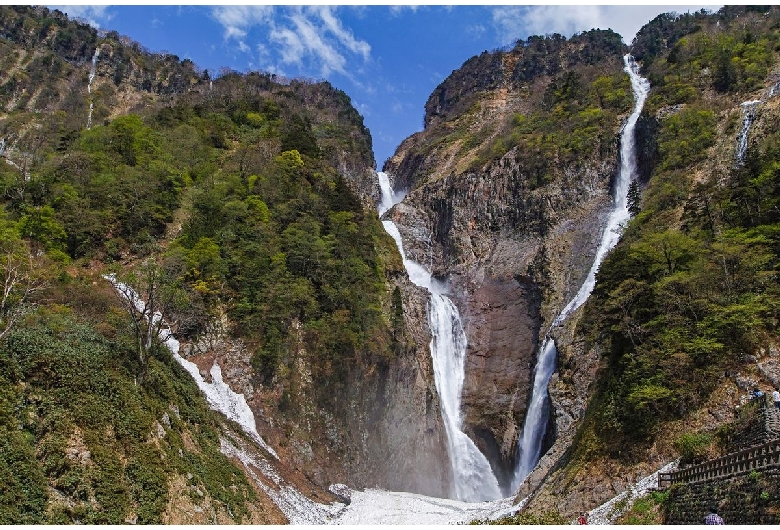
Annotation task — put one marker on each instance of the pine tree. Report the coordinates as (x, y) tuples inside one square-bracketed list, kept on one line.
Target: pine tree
[(633, 198)]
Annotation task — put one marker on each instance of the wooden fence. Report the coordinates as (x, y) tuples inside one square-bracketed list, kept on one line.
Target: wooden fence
[(758, 458)]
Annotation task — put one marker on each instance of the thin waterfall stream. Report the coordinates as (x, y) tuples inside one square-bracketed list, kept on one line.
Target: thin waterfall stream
[(748, 116), (92, 73), (530, 443), (473, 479)]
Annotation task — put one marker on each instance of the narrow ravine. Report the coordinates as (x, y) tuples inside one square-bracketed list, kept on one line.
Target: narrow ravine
[(473, 479), (535, 427)]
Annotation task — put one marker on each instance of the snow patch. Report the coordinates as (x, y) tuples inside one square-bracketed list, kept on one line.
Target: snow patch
[(294, 505), (219, 395), (608, 512), (386, 507)]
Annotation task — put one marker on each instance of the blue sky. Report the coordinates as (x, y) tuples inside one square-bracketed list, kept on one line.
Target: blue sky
[(388, 59)]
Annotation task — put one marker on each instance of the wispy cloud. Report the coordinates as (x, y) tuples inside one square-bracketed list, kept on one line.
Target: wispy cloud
[(95, 16), (397, 10), (313, 38), (476, 31), (513, 22), (343, 36), (238, 19)]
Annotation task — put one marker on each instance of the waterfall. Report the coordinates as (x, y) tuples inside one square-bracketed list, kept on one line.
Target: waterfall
[(92, 71), (473, 479), (748, 115), (530, 444)]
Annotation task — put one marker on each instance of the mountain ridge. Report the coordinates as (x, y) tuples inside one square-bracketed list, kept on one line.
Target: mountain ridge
[(246, 206)]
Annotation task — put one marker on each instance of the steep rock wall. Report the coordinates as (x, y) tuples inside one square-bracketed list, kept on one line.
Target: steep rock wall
[(383, 429), (512, 255)]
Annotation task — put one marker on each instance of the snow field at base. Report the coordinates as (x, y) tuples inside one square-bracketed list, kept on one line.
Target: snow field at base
[(400, 508), (299, 509)]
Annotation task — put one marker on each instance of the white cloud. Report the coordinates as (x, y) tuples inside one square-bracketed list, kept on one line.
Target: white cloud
[(397, 10), (476, 30), (290, 45), (95, 16), (513, 22), (343, 36), (238, 19), (311, 37)]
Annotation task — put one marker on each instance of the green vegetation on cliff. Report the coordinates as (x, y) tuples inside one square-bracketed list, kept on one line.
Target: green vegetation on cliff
[(555, 103), (691, 290), (82, 440), (574, 122), (230, 192)]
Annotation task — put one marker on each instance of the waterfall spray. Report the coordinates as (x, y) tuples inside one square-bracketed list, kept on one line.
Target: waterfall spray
[(530, 444), (473, 479)]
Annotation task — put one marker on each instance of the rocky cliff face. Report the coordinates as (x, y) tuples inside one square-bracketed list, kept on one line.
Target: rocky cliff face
[(584, 468), (511, 251), (507, 282)]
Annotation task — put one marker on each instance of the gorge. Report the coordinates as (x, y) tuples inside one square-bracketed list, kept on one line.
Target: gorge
[(218, 309)]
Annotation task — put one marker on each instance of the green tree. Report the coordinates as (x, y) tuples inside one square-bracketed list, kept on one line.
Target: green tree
[(39, 224), (147, 295), (634, 198)]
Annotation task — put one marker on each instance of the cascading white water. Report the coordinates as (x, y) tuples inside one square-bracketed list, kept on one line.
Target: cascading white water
[(530, 443), (748, 115), (92, 73), (473, 479)]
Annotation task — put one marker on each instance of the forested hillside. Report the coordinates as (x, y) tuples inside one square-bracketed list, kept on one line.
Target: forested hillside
[(685, 311), (228, 196), (691, 292)]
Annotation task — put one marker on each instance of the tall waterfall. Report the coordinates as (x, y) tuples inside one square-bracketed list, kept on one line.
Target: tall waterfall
[(92, 72), (530, 443), (748, 115), (473, 479)]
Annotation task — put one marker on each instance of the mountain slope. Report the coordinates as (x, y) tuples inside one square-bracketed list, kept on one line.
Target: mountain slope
[(510, 180), (683, 318), (243, 205), (243, 208)]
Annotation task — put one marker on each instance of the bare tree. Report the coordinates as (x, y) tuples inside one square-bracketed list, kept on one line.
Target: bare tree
[(146, 294), (20, 283)]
